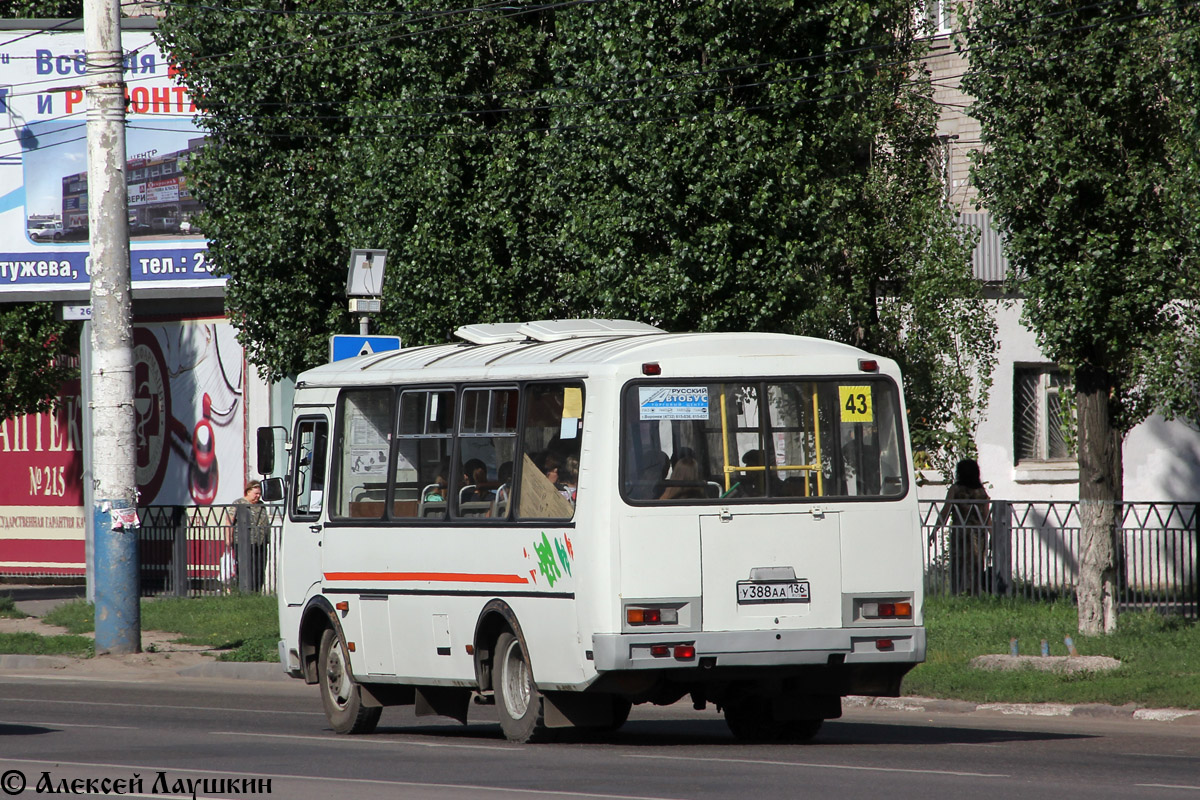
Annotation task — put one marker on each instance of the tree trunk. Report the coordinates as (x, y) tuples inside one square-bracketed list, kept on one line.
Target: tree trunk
[(1100, 493)]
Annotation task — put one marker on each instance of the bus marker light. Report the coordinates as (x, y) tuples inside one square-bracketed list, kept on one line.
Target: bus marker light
[(350, 646), (868, 365), (660, 650), (884, 644), (651, 368), (343, 607), (470, 649), (685, 652)]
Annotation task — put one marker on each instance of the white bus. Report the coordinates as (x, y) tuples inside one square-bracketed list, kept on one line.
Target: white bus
[(565, 518)]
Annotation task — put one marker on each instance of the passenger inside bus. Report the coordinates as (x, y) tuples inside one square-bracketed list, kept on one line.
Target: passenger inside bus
[(568, 478), (475, 482), (652, 470), (685, 481)]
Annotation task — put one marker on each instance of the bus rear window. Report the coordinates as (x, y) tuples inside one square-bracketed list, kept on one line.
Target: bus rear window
[(750, 441)]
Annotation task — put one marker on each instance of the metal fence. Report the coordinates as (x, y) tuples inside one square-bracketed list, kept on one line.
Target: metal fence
[(1031, 549), (191, 551)]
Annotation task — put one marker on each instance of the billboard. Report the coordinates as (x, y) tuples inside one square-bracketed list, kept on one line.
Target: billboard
[(190, 423), (41, 496), (43, 170)]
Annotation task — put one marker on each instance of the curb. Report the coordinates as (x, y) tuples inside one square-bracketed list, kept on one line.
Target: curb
[(1086, 710), (34, 662), (220, 670), (237, 670)]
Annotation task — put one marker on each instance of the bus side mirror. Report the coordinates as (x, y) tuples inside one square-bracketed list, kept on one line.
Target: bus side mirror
[(266, 451), (272, 489)]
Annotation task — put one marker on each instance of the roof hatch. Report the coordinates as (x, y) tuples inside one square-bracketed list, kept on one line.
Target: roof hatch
[(553, 330)]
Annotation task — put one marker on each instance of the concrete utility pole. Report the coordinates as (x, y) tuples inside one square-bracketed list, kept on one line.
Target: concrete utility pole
[(114, 446)]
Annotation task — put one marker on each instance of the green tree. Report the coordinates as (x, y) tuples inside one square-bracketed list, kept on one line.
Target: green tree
[(41, 9), (710, 165), (34, 364), (1087, 161)]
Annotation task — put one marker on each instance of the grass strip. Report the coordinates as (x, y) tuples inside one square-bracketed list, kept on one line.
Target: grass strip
[(33, 644), (1160, 656), (245, 625), (8, 609)]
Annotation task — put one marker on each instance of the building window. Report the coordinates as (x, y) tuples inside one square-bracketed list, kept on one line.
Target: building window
[(1043, 415), (938, 16)]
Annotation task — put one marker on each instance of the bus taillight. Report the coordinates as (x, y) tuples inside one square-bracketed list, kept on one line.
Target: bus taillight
[(637, 615), (889, 609)]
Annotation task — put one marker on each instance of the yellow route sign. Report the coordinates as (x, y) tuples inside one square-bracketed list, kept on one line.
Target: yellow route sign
[(856, 404)]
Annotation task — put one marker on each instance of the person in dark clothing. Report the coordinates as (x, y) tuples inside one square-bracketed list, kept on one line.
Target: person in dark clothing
[(968, 509)]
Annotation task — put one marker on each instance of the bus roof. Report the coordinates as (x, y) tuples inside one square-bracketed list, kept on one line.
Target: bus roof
[(575, 347)]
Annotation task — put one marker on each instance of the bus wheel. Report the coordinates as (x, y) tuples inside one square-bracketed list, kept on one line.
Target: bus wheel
[(753, 720), (340, 695), (517, 700), (621, 708)]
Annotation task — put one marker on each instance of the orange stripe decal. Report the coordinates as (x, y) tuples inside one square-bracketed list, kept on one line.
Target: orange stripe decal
[(440, 577)]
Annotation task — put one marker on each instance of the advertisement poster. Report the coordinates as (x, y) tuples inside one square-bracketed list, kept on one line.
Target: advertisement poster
[(41, 495), (189, 409), (43, 169), (190, 418)]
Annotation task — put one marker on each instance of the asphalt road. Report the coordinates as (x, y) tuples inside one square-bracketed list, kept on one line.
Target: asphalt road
[(65, 728)]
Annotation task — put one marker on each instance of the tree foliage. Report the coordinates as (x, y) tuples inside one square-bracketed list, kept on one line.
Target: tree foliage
[(41, 9), (1088, 160), (35, 346), (708, 165)]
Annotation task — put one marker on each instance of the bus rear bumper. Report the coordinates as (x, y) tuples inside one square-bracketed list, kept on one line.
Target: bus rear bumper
[(883, 645)]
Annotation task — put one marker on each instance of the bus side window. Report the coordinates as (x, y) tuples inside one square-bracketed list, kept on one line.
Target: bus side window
[(365, 440), (421, 476), (487, 437), (551, 446)]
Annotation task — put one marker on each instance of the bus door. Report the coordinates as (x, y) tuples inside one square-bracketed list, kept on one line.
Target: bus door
[(300, 560), (764, 570)]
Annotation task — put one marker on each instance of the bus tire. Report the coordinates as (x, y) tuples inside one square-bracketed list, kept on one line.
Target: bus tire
[(753, 720), (340, 695), (518, 702), (620, 711)]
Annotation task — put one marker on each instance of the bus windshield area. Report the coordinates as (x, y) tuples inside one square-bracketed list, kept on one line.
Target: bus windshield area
[(746, 441)]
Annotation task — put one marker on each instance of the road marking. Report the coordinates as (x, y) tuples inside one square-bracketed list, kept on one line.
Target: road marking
[(359, 740), (810, 765), (1161, 755), (71, 725), (1168, 786), (170, 708), (337, 781)]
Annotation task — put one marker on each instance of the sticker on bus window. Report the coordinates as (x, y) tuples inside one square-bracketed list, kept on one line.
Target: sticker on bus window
[(672, 402), (856, 404), (572, 402)]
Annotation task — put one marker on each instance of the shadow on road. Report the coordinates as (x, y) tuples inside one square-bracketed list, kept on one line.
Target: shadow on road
[(689, 733), (23, 730)]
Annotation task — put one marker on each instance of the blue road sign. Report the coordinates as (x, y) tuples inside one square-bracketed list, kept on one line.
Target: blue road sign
[(343, 346)]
